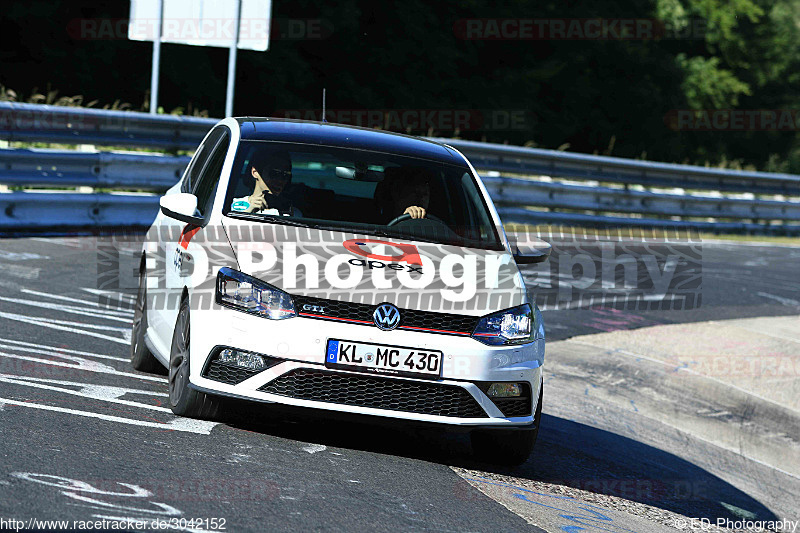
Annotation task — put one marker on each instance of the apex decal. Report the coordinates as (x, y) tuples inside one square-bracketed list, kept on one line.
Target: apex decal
[(378, 264), (410, 253)]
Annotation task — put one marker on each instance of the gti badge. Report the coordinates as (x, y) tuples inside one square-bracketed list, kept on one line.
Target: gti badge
[(315, 308), (386, 317)]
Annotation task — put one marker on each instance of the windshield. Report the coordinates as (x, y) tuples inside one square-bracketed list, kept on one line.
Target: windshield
[(359, 191)]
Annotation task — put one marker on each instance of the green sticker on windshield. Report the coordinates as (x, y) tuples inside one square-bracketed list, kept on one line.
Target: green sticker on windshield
[(240, 205)]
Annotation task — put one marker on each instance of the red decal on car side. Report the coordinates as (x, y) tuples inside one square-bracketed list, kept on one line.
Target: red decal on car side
[(187, 234)]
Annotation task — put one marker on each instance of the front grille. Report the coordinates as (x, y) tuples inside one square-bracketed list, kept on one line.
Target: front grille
[(376, 392), (440, 321), (409, 318), (335, 308), (227, 373)]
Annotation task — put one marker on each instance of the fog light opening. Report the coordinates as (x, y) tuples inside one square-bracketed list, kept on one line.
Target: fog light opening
[(504, 390), (242, 359)]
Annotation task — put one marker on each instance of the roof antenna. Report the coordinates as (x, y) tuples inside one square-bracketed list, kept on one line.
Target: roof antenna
[(323, 105)]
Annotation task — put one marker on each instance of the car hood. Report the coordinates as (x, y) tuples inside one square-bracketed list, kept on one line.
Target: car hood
[(350, 267)]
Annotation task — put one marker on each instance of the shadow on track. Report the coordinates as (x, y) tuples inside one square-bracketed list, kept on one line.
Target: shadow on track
[(567, 453), (595, 460)]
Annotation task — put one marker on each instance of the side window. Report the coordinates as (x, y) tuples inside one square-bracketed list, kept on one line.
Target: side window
[(209, 176), (200, 158)]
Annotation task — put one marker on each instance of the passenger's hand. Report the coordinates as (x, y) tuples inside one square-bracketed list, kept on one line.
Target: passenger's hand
[(415, 211), (257, 202)]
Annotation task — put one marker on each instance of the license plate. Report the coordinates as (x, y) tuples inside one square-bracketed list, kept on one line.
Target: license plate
[(383, 359)]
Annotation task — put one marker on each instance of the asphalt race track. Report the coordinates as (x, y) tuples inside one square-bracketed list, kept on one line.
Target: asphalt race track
[(738, 280), (83, 436)]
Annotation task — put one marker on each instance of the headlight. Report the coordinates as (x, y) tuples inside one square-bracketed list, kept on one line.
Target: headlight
[(246, 293), (517, 325)]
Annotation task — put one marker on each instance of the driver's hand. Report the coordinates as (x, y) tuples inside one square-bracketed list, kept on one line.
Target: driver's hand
[(415, 211), (257, 203)]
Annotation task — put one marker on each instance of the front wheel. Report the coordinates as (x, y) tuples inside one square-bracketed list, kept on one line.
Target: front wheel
[(141, 357), (505, 446), (183, 400)]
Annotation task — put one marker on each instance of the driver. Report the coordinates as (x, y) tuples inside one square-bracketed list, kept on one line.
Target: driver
[(272, 175), (409, 194)]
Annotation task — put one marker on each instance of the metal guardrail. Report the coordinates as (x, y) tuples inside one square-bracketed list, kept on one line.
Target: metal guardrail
[(51, 211), (610, 187), (111, 170), (79, 125), (516, 214), (513, 191), (537, 161)]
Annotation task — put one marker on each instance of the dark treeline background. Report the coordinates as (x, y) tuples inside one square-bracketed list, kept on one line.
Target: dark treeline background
[(596, 96)]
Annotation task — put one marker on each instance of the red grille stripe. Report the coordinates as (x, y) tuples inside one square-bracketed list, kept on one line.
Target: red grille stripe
[(436, 330), (336, 318)]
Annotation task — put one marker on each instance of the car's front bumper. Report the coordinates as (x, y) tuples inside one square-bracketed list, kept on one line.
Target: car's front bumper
[(300, 344), (393, 422)]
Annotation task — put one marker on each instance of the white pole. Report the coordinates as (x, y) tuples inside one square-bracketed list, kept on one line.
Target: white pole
[(156, 60), (232, 62)]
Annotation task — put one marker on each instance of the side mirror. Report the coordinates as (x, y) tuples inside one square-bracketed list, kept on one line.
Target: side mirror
[(181, 206), (529, 252)]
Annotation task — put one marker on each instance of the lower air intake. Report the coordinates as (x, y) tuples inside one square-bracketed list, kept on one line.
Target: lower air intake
[(511, 407), (377, 393), (226, 373)]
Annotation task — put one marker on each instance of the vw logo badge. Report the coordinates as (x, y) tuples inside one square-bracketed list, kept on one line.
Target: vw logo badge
[(386, 317)]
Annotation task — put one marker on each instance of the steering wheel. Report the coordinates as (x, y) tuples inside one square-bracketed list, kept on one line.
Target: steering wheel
[(406, 216)]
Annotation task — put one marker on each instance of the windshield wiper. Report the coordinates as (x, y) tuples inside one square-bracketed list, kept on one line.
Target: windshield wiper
[(409, 236), (460, 241), (272, 218)]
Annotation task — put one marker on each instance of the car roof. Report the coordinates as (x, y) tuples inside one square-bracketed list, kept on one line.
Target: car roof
[(329, 134)]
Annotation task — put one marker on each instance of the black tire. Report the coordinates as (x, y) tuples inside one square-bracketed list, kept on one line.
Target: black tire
[(141, 357), (183, 400), (505, 446)]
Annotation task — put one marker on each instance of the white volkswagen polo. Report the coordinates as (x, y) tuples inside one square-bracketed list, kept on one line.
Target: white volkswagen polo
[(342, 269)]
